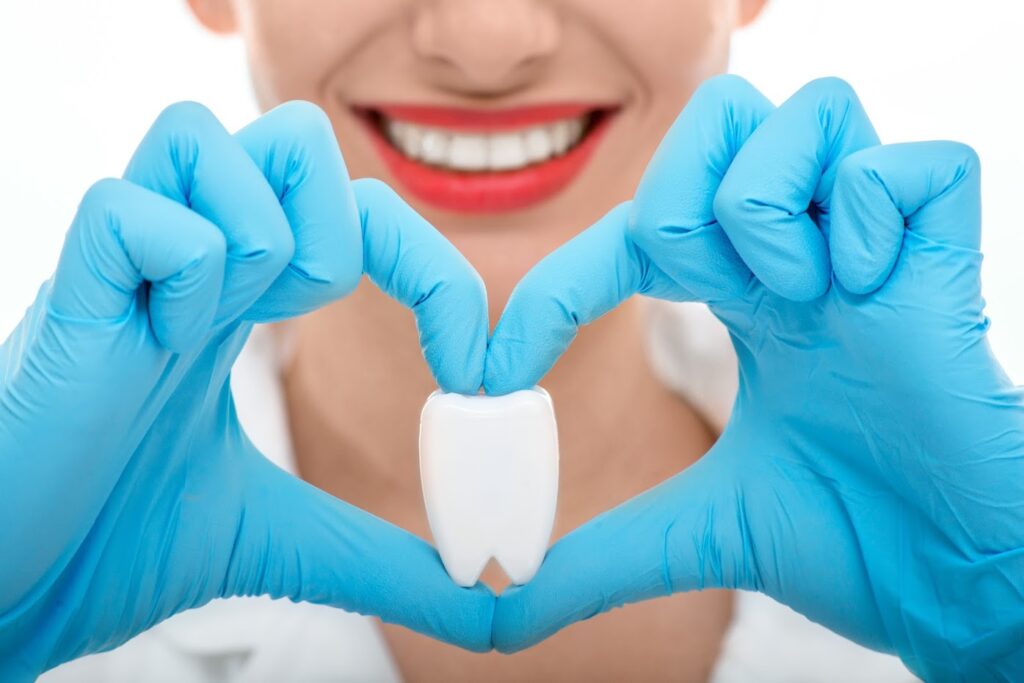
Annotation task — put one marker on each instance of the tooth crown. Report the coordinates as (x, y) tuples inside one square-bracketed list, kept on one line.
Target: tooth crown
[(489, 467)]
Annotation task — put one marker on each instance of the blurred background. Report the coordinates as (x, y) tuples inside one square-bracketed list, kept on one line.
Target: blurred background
[(83, 81)]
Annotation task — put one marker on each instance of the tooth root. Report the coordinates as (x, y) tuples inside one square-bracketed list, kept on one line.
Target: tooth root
[(489, 467), (525, 539)]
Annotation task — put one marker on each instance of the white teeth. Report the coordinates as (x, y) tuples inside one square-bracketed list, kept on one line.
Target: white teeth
[(560, 137), (537, 143), (468, 152), (489, 466), (504, 151), (433, 146)]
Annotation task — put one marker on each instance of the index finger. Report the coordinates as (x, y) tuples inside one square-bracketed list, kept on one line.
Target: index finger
[(577, 283), (412, 262)]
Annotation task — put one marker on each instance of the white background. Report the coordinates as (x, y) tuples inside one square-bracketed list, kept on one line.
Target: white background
[(83, 80)]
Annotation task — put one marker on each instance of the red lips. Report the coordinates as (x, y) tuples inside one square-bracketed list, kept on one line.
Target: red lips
[(486, 191)]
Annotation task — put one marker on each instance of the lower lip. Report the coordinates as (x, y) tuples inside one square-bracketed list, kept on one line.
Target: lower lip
[(488, 191)]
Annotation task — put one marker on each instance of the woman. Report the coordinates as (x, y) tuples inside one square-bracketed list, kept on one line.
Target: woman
[(501, 67), (510, 126)]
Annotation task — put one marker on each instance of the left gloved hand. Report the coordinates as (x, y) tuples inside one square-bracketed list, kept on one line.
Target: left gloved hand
[(872, 473), (128, 489)]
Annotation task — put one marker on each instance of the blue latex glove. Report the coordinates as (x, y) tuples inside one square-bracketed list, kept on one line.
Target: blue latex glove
[(129, 490), (872, 473)]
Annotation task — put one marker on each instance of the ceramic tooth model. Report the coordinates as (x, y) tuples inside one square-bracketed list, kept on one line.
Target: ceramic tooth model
[(489, 468)]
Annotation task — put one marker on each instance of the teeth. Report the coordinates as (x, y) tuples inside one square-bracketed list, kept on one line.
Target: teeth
[(489, 466), (432, 148), (504, 151), (468, 152), (537, 144), (560, 137)]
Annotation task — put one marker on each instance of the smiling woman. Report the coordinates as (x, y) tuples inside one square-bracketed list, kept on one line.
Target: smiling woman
[(510, 126)]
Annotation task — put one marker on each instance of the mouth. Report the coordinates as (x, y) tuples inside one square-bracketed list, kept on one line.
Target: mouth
[(485, 161)]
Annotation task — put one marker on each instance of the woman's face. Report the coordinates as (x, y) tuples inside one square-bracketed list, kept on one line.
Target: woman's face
[(510, 124)]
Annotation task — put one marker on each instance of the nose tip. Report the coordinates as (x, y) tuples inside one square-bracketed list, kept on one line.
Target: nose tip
[(488, 42)]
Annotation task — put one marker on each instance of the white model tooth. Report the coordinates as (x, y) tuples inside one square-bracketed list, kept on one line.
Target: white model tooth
[(537, 142), (468, 152), (434, 145), (559, 136), (489, 467), (507, 151)]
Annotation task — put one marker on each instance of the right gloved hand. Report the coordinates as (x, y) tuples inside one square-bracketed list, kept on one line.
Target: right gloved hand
[(128, 490), (871, 475)]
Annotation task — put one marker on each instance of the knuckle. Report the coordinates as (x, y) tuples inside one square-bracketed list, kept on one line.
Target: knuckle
[(644, 226), (374, 190), (102, 196), (466, 284), (856, 170), (831, 88), (307, 120), (966, 156), (341, 282), (273, 247), (731, 204), (211, 248), (184, 116), (724, 88)]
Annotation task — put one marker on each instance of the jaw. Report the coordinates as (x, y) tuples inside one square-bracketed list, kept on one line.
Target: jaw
[(489, 467)]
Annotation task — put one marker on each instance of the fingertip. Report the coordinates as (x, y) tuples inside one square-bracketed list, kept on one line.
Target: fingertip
[(453, 323), (469, 616)]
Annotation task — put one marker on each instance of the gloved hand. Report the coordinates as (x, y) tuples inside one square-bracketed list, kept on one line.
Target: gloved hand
[(128, 490), (872, 473)]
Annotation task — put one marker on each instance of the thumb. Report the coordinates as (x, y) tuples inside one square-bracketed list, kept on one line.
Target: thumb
[(299, 542), (681, 535)]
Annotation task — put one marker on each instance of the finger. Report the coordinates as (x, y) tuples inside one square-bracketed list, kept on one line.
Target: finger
[(294, 147), (665, 244), (411, 261), (907, 229), (774, 201), (188, 157), (575, 284), (299, 542), (681, 535), (929, 188), (673, 218), (123, 236)]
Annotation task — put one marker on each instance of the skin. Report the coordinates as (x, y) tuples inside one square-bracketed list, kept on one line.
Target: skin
[(355, 380)]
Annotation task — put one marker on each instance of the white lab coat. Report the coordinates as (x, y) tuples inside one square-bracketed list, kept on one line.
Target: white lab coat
[(257, 639)]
